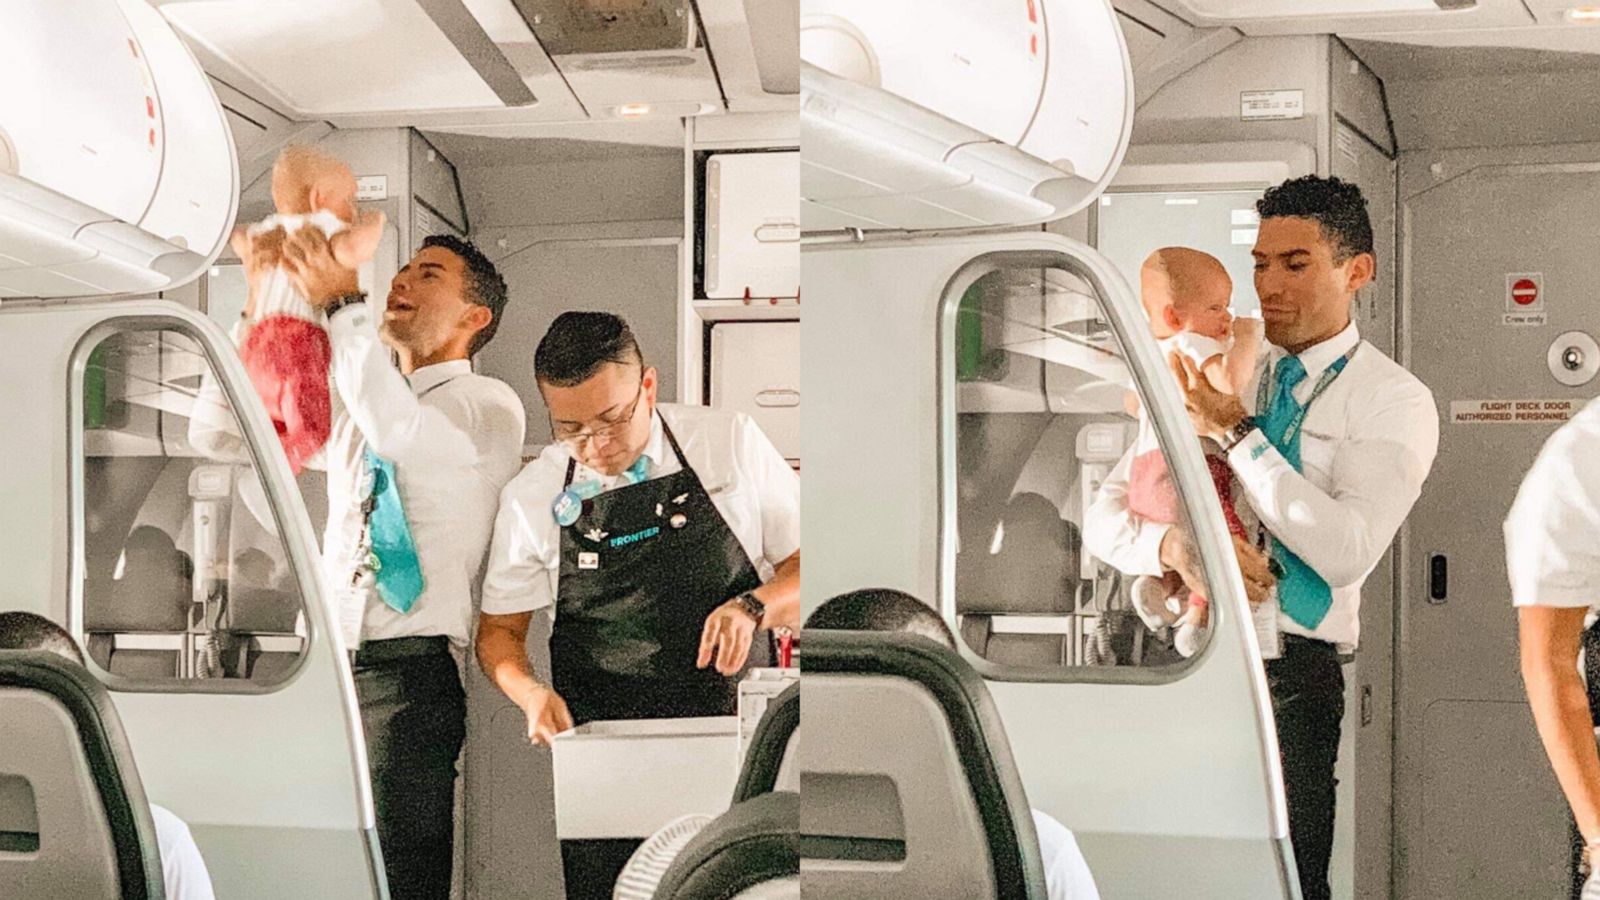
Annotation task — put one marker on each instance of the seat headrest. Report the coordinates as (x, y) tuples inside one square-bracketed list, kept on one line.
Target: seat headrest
[(63, 731), (863, 688), (754, 843), (769, 744)]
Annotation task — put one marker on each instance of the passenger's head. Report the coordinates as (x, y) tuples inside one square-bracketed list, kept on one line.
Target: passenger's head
[(446, 303), (1186, 290), (305, 180), (1313, 252), (28, 631), (882, 609), (599, 391)]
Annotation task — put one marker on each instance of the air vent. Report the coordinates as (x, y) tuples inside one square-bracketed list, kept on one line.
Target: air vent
[(569, 27)]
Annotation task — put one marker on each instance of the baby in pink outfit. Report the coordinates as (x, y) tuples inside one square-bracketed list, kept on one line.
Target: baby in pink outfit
[(1185, 294)]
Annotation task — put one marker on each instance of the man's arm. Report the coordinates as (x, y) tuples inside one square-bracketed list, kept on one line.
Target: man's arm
[(1551, 639), (1133, 546), (1113, 533), (1377, 476), (728, 632), (516, 585)]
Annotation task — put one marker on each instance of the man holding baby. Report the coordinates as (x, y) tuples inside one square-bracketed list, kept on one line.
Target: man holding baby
[(1328, 442), (416, 458)]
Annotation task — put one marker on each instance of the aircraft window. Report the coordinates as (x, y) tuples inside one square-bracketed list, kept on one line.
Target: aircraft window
[(1131, 225), (1044, 409), (184, 577)]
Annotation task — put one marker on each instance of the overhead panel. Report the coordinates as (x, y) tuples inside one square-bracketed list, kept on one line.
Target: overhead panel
[(320, 58)]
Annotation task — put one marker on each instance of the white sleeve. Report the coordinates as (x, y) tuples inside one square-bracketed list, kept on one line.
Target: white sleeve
[(1066, 874), (1378, 472), (183, 870), (1553, 532), (1114, 534), (523, 552), (777, 487)]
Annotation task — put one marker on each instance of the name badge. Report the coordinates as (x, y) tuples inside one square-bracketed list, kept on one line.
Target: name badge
[(588, 560)]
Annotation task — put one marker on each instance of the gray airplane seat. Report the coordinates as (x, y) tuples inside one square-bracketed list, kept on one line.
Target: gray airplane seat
[(910, 789), (1013, 598), (769, 762), (749, 852), (265, 617), (135, 623), (74, 821)]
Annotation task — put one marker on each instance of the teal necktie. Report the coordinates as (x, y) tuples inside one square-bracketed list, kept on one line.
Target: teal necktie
[(1302, 594), (396, 570)]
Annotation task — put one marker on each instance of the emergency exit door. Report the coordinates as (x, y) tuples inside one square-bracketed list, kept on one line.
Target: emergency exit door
[(931, 359), (1478, 814)]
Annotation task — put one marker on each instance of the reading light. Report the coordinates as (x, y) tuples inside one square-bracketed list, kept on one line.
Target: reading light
[(633, 110)]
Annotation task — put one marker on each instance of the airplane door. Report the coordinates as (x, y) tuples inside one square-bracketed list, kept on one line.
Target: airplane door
[(975, 389), (193, 582), (1465, 746)]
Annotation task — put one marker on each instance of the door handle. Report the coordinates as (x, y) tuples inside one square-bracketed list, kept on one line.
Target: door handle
[(1438, 578)]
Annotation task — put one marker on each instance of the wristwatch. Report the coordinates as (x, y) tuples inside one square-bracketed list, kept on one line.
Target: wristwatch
[(1238, 433), (343, 300), (755, 608)]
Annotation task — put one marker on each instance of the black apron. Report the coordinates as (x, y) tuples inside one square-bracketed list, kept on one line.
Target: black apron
[(641, 569)]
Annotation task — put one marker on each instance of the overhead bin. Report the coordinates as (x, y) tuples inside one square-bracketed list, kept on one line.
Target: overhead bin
[(117, 171), (918, 115)]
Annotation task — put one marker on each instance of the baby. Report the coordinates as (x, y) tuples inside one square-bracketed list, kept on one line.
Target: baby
[(1185, 295), (285, 348)]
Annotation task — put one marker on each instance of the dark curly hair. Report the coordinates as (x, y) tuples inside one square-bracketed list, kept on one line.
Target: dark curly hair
[(1337, 206), (579, 343), (485, 286)]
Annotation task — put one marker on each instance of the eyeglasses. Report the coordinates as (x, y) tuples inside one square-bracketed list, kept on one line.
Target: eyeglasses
[(608, 427)]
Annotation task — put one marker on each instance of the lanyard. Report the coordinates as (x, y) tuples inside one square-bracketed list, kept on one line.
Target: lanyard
[(1328, 377)]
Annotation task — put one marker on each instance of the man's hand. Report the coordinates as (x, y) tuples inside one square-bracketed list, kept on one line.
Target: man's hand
[(259, 255), (316, 274), (1179, 554), (547, 715), (727, 635), (1213, 411)]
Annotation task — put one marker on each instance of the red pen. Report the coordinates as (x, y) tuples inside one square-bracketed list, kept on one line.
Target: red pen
[(786, 649)]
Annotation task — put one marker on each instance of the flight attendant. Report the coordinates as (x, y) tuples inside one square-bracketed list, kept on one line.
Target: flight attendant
[(664, 538), (1552, 534)]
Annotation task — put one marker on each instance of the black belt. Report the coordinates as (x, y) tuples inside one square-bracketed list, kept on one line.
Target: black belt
[(1301, 643), (376, 652)]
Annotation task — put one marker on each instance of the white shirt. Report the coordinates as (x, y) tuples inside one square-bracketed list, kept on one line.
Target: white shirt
[(455, 439), (1553, 532), (183, 870), (1366, 447), (749, 481), (1066, 875)]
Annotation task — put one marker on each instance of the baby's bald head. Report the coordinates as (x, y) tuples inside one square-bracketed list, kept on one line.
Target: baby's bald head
[(305, 180), (1185, 281)]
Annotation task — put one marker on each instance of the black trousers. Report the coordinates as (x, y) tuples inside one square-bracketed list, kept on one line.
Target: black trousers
[(591, 867), (1307, 688), (414, 713)]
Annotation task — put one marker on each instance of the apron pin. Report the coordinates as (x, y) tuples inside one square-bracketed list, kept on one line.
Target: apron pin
[(680, 499), (595, 535), (566, 508), (678, 520), (659, 510)]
